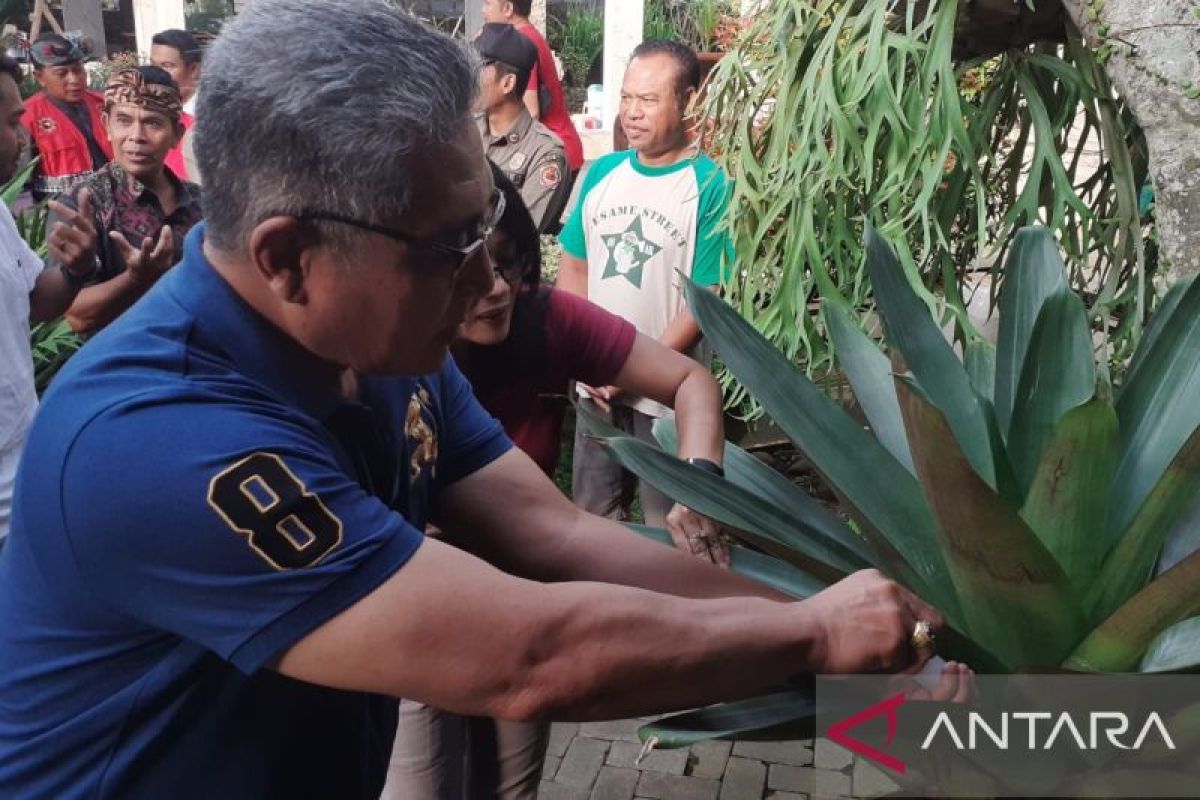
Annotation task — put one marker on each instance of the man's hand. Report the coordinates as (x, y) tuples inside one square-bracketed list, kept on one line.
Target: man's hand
[(866, 625), (148, 262), (698, 535), (955, 682), (72, 241), (604, 396)]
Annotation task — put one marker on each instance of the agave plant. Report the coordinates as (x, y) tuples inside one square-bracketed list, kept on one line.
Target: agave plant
[(1045, 513)]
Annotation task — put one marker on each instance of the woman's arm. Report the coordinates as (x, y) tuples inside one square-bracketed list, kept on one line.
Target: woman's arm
[(656, 371)]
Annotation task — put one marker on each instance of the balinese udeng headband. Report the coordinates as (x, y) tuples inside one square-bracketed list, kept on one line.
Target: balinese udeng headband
[(129, 86)]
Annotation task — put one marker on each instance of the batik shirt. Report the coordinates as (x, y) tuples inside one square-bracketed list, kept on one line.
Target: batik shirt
[(122, 203)]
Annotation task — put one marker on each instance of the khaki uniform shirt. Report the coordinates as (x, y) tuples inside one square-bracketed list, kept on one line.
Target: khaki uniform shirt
[(534, 160)]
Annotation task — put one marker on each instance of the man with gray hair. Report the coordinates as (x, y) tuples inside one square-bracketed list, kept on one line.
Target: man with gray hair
[(233, 613)]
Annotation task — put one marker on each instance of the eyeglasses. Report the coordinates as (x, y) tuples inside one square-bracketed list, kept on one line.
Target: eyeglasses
[(462, 254)]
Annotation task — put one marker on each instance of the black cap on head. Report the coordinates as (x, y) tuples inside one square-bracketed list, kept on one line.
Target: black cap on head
[(504, 43), (53, 50)]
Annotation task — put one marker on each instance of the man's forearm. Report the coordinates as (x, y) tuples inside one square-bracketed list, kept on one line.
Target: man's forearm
[(97, 306), (618, 652), (681, 333), (538, 534), (51, 295), (596, 549), (492, 644)]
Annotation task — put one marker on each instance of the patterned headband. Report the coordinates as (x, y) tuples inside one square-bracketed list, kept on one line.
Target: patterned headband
[(129, 86)]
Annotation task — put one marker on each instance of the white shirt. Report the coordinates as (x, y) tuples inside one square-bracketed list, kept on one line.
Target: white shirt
[(19, 269)]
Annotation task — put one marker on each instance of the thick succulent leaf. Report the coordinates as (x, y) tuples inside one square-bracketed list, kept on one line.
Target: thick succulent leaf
[(1014, 595), (715, 497), (881, 491), (593, 422), (1059, 374), (744, 470), (1158, 323), (980, 361), (1065, 504), (913, 332), (761, 567), (870, 374), (1176, 648), (1158, 410), (1033, 271), (783, 715), (1006, 479), (1118, 643), (1131, 562), (1182, 540)]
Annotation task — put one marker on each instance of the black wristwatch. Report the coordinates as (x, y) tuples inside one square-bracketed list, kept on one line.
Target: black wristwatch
[(708, 466), (79, 281)]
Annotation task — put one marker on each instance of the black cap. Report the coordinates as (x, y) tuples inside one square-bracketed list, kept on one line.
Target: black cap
[(498, 41), (53, 50)]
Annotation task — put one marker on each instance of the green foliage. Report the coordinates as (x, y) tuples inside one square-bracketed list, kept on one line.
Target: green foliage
[(578, 37), (829, 112), (697, 23), (15, 12), (657, 21), (105, 67), (207, 15), (1033, 516), (52, 344)]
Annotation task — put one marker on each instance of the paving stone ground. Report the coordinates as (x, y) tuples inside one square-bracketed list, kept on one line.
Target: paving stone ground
[(598, 761)]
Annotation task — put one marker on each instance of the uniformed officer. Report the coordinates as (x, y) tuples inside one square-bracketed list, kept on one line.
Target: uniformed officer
[(526, 150)]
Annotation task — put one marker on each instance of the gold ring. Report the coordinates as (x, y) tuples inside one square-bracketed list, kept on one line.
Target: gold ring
[(922, 635)]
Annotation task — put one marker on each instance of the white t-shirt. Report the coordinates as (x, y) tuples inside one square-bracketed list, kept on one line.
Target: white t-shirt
[(638, 228)]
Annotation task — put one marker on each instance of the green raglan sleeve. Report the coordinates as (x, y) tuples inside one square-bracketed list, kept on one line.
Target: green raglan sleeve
[(573, 238), (711, 244)]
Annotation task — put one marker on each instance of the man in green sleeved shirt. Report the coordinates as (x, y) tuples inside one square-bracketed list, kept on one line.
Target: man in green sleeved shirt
[(644, 216)]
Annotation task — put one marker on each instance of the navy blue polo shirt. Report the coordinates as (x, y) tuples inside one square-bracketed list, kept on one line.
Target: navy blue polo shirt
[(186, 510)]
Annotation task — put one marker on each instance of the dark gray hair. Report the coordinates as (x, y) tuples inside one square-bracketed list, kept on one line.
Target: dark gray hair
[(322, 106)]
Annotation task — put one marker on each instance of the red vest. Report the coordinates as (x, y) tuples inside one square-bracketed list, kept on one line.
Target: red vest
[(64, 151)]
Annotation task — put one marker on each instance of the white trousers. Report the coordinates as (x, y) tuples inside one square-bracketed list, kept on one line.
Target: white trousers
[(442, 756)]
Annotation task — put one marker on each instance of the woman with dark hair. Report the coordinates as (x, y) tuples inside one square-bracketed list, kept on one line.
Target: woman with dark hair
[(520, 346), (523, 343)]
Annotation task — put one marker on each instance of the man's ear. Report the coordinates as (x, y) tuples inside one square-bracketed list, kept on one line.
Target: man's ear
[(280, 249), (508, 83)]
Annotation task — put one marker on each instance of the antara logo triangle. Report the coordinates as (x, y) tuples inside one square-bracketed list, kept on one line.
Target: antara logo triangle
[(838, 733)]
